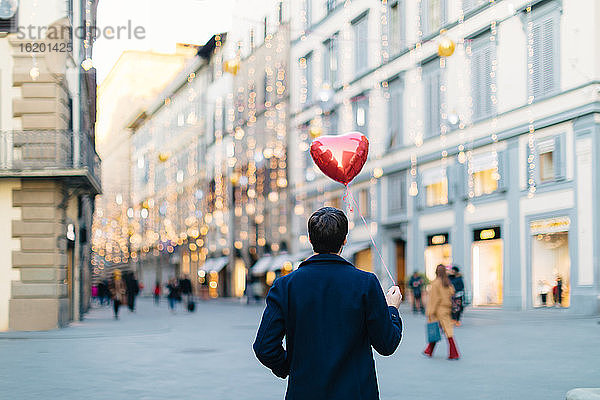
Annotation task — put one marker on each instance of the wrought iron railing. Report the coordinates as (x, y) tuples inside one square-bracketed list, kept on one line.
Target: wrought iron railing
[(48, 150)]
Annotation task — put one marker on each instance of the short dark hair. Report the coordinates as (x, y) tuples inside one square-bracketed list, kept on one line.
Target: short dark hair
[(327, 230)]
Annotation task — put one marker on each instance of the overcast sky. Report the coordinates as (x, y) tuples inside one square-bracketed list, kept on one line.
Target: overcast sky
[(166, 22)]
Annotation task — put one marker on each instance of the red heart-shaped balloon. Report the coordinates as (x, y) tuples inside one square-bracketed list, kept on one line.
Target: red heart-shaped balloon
[(340, 157)]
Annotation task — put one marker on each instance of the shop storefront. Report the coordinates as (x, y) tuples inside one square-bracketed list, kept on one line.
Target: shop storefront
[(438, 251), (487, 266), (550, 262), (214, 275)]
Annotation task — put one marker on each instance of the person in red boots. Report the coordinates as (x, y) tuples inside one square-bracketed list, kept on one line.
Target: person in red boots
[(439, 309)]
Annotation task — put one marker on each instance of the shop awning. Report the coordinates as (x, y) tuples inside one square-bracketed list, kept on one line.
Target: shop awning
[(262, 265), (275, 263), (483, 161), (433, 176), (215, 264), (351, 249)]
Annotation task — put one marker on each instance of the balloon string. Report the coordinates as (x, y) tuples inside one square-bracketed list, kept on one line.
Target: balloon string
[(346, 200), (349, 194)]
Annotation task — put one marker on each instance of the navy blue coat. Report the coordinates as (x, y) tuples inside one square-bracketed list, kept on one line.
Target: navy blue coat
[(330, 314)]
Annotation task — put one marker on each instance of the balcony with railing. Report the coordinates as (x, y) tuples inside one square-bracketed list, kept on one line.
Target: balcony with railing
[(50, 154)]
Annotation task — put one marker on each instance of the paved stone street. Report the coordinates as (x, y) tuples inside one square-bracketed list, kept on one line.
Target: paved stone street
[(153, 354)]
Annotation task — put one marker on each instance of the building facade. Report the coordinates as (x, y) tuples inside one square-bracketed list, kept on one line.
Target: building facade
[(483, 122), (49, 170), (209, 171), (134, 82)]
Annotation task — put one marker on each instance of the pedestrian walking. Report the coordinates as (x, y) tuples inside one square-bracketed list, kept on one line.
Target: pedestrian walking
[(185, 286), (458, 300), (118, 292), (439, 308), (133, 289), (157, 293), (104, 292), (173, 295), (95, 296), (332, 315), (416, 284)]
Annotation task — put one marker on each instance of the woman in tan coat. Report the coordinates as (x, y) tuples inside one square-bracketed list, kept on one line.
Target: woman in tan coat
[(439, 308), (118, 292)]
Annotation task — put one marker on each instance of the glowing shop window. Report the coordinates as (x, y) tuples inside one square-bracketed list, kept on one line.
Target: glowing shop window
[(547, 166), (363, 260), (270, 278), (213, 284), (485, 182), (240, 277), (437, 193), (436, 255)]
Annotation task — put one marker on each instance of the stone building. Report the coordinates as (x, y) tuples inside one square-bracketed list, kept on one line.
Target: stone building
[(49, 170)]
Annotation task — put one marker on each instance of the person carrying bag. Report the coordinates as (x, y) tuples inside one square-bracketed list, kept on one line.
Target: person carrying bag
[(438, 311)]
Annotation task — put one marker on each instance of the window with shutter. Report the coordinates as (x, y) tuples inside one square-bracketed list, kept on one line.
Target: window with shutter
[(551, 165), (330, 61), (361, 40), (469, 5), (396, 27), (395, 114), (545, 55), (308, 75), (432, 79), (433, 15), (482, 53), (560, 159), (330, 5), (396, 192), (360, 109)]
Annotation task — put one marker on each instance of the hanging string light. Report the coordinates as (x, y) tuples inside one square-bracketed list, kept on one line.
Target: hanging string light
[(87, 63), (416, 128), (531, 142)]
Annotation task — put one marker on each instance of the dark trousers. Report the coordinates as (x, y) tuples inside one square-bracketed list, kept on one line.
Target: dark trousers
[(116, 304), (131, 302), (418, 303), (156, 299), (172, 302)]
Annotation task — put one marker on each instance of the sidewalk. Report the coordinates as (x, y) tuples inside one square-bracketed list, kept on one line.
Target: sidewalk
[(152, 354)]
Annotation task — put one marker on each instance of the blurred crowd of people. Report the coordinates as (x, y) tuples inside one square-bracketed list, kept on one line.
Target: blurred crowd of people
[(121, 289)]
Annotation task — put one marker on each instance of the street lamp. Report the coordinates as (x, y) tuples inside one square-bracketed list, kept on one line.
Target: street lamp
[(8, 8)]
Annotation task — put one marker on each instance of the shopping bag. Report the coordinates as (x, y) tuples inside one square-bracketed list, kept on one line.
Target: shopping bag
[(433, 332)]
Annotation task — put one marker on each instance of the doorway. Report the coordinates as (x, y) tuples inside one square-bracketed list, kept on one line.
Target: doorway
[(70, 277), (401, 265), (487, 272)]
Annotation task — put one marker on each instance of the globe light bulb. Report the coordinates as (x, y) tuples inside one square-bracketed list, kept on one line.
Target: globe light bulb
[(8, 8), (34, 73), (87, 64)]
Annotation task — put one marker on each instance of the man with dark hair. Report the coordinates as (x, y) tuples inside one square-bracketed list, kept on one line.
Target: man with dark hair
[(331, 315)]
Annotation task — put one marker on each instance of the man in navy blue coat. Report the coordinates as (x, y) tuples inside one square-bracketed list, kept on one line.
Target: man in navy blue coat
[(330, 314)]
